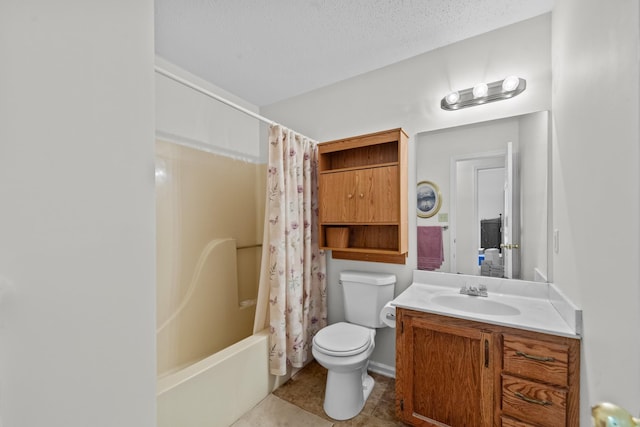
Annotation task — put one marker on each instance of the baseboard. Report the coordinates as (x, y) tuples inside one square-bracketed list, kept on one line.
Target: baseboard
[(382, 369)]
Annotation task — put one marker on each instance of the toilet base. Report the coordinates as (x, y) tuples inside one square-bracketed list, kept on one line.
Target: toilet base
[(346, 393), (367, 386)]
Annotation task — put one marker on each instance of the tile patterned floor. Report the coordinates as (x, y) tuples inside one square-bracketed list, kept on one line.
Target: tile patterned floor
[(306, 390), (275, 412)]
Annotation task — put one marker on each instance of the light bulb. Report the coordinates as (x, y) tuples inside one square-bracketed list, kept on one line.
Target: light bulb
[(510, 83), (480, 90), (452, 98)]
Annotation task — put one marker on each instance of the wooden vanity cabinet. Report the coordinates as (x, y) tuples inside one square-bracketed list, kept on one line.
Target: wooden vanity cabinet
[(456, 372), (363, 191), (444, 371)]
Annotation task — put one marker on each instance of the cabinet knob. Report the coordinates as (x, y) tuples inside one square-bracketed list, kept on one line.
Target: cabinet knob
[(350, 196), (361, 195)]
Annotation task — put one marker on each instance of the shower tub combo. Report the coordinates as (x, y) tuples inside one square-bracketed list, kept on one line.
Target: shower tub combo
[(210, 209)]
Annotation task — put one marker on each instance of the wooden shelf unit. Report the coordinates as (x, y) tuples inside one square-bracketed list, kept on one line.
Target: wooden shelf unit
[(363, 187)]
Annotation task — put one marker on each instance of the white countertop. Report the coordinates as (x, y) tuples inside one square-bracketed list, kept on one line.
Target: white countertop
[(541, 307)]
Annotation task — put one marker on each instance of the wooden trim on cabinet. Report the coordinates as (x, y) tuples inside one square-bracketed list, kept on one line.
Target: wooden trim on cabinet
[(370, 256)]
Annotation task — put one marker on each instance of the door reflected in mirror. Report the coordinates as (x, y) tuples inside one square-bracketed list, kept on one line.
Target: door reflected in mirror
[(493, 178)]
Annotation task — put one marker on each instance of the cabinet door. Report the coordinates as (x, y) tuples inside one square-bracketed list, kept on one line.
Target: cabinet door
[(337, 197), (444, 373), (360, 196), (377, 197)]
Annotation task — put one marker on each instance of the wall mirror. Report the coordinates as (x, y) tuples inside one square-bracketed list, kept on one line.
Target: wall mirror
[(493, 179)]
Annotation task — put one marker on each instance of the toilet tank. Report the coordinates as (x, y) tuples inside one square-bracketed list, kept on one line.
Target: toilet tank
[(365, 294)]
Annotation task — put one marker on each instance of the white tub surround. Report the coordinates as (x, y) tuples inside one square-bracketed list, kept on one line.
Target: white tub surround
[(532, 306)]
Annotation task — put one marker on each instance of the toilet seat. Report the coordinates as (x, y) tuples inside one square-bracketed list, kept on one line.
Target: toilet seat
[(342, 339)]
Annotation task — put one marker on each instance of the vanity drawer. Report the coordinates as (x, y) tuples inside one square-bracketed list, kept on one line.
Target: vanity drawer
[(541, 404), (510, 422), (535, 359)]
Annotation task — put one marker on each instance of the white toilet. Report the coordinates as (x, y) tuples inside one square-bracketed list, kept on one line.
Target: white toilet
[(344, 348)]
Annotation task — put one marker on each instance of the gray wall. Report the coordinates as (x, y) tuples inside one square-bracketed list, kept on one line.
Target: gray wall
[(77, 249), (596, 188)]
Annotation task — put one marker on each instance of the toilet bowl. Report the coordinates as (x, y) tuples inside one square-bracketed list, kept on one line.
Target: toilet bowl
[(344, 348)]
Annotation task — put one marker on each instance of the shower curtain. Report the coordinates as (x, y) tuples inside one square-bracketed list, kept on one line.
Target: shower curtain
[(293, 268)]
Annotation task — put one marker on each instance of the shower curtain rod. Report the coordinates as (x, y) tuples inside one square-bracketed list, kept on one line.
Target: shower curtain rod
[(218, 98)]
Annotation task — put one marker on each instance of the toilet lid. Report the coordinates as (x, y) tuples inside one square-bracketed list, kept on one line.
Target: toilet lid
[(342, 339)]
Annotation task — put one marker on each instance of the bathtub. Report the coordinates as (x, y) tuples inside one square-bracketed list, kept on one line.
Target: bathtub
[(209, 374), (218, 390)]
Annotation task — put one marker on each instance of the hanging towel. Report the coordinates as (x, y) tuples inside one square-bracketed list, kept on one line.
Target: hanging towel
[(430, 248)]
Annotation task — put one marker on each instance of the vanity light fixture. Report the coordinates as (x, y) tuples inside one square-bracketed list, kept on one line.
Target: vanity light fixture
[(483, 93), (452, 98), (480, 90)]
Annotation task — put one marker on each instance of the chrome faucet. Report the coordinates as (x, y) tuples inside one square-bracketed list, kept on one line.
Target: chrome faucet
[(474, 291)]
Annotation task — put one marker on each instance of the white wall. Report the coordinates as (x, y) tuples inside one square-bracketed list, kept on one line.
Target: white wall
[(535, 146), (596, 188), (187, 117), (77, 286), (407, 95), (491, 192)]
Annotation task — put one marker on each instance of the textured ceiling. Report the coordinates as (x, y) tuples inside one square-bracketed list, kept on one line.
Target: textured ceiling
[(268, 50)]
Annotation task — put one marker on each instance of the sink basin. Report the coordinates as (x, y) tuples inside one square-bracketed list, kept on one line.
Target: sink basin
[(480, 305)]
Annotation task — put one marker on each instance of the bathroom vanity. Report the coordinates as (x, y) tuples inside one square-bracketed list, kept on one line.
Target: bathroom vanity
[(509, 359)]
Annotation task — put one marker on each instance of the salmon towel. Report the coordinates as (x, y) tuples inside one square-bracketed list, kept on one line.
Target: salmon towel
[(430, 248)]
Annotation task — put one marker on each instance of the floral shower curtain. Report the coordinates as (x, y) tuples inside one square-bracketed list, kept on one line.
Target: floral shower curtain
[(293, 266)]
